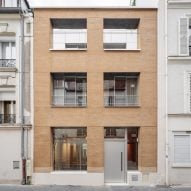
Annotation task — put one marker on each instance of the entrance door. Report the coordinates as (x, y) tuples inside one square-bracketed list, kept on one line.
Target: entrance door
[(114, 161)]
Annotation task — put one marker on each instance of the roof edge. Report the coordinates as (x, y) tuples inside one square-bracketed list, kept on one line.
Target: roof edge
[(93, 7)]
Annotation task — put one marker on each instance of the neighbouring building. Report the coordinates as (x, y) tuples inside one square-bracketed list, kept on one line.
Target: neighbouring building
[(174, 130), (95, 95), (15, 90), (179, 91)]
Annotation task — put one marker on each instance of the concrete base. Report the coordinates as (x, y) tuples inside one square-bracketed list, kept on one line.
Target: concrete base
[(134, 178), (68, 178)]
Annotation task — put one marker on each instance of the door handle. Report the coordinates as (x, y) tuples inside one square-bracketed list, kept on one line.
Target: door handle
[(121, 161)]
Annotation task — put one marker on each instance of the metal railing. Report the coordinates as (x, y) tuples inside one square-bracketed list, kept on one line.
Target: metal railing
[(70, 100), (7, 118), (121, 40), (9, 3), (8, 63), (121, 100)]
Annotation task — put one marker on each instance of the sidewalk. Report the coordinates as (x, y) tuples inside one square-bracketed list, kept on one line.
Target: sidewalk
[(88, 188)]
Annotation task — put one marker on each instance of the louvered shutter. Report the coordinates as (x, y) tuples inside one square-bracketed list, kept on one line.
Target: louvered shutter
[(184, 36), (182, 149), (189, 91)]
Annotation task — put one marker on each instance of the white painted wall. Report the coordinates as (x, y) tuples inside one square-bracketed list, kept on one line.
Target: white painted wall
[(176, 81), (178, 119), (93, 3), (10, 146), (162, 94), (173, 29)]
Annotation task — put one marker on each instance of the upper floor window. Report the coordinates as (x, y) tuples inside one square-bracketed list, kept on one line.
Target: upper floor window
[(7, 112), (9, 3), (68, 34), (121, 34), (121, 89), (69, 89), (7, 54), (185, 36)]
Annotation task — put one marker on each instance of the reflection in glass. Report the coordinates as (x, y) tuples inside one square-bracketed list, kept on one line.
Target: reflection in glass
[(69, 89), (120, 89), (132, 148), (70, 148)]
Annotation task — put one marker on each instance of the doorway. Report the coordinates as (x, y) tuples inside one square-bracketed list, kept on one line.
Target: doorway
[(121, 153)]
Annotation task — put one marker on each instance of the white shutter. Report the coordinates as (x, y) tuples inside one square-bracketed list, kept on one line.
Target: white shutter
[(182, 149), (187, 92), (184, 36)]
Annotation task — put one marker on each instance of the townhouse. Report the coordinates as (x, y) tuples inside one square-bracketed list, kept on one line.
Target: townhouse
[(95, 95), (15, 90), (174, 140)]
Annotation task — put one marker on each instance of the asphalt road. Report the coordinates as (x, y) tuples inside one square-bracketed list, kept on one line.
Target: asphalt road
[(88, 188)]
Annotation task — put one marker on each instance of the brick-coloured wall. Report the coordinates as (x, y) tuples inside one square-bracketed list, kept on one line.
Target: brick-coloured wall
[(95, 61)]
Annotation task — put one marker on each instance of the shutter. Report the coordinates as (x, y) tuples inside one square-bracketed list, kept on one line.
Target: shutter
[(182, 149), (183, 37), (187, 92)]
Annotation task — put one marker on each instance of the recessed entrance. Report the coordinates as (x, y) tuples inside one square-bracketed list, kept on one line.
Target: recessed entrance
[(121, 153)]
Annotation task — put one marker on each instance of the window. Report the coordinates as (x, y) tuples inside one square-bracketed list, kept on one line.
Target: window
[(69, 34), (187, 101), (121, 34), (182, 148), (69, 89), (132, 148), (114, 132), (7, 112), (7, 54), (8, 3), (70, 148), (185, 36), (121, 89)]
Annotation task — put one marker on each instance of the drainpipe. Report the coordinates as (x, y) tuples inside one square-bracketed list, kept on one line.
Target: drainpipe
[(21, 103), (166, 85)]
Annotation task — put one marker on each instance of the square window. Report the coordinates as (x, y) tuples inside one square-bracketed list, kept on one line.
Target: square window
[(68, 34)]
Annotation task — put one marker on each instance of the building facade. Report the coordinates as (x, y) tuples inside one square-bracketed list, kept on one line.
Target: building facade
[(174, 66), (15, 90), (179, 92), (95, 96)]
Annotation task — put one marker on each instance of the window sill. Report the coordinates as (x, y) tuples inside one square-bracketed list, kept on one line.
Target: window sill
[(181, 165), (68, 49), (129, 50), (179, 57), (130, 106), (69, 172), (8, 69), (63, 106)]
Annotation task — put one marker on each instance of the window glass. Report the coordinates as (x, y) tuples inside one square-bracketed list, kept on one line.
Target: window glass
[(132, 149), (70, 148), (114, 132), (69, 89), (120, 89)]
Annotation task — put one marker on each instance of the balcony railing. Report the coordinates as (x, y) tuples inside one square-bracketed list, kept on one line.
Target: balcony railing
[(121, 101), (8, 63), (70, 100), (121, 40), (9, 3), (7, 118)]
